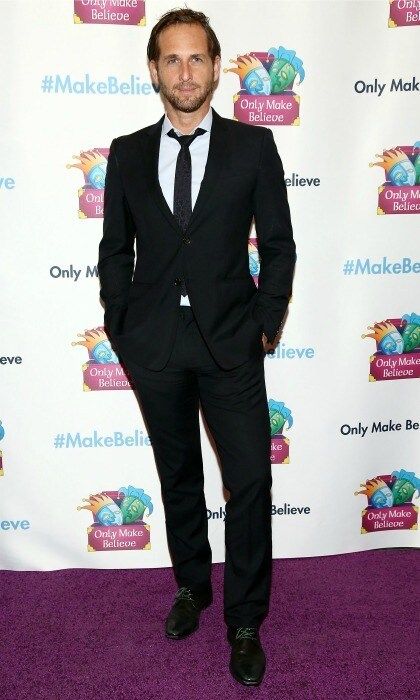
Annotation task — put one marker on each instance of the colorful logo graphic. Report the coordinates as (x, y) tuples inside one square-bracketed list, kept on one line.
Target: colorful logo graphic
[(397, 353), (266, 93), (112, 512), (254, 258), (404, 13), (91, 194), (254, 261), (280, 416), (109, 12), (103, 370), (390, 504), (400, 193), (1, 453)]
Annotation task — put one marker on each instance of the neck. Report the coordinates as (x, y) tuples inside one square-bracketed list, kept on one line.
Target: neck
[(186, 122)]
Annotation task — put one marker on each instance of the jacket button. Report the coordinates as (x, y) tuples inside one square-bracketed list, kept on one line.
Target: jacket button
[(186, 239), (177, 280)]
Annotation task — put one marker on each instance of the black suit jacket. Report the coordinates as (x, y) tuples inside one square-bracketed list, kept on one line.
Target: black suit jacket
[(243, 179)]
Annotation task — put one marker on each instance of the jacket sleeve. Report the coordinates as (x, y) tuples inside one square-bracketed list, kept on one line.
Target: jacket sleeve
[(276, 247), (116, 248)]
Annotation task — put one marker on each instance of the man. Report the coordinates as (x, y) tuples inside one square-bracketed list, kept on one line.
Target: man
[(190, 324)]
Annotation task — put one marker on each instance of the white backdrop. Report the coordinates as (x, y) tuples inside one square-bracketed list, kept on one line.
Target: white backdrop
[(70, 86)]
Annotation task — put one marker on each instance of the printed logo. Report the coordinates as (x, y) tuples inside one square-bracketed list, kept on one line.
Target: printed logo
[(67, 84), (390, 504), (397, 353), (15, 525), (91, 194), (400, 193), (397, 84), (379, 426), (10, 360), (109, 12), (285, 509), (403, 13), (103, 370), (281, 351), (7, 183), (112, 512), (367, 266), (97, 439), (73, 272), (219, 514), (1, 453), (254, 258), (295, 180), (266, 94), (280, 416)]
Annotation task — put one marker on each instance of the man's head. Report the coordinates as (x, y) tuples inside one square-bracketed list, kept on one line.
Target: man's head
[(184, 59)]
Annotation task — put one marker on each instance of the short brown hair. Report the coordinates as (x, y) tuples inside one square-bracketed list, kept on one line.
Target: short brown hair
[(182, 16)]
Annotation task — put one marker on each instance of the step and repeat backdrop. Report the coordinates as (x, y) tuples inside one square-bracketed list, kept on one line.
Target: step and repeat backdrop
[(338, 84)]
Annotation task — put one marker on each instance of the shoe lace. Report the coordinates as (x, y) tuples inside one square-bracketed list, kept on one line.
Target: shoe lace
[(185, 593), (246, 633)]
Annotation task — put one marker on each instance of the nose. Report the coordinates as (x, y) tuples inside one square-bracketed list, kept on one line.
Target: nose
[(185, 71)]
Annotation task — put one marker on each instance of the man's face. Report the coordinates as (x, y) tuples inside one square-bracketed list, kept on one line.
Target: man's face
[(185, 72)]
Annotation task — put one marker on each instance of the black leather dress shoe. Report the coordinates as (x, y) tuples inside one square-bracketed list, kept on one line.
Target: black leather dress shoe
[(185, 613), (247, 659)]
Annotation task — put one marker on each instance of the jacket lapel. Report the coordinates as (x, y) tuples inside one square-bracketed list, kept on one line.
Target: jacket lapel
[(150, 146), (217, 157)]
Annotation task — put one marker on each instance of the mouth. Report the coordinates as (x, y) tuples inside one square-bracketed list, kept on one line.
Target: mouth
[(188, 88)]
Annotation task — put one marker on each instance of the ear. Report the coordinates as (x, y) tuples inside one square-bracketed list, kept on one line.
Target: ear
[(216, 69), (153, 72)]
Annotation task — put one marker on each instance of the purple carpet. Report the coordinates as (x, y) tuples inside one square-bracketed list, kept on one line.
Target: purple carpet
[(340, 627)]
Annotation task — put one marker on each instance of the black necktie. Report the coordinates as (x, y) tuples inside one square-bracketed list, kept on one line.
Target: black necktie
[(182, 185)]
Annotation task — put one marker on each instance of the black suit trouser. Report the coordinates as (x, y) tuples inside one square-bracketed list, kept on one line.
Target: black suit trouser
[(234, 405)]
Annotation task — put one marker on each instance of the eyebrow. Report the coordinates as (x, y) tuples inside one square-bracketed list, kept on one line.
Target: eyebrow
[(193, 55)]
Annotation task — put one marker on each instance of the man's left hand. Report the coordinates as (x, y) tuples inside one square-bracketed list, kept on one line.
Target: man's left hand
[(268, 347)]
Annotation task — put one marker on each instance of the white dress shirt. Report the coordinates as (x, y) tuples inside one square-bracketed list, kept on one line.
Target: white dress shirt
[(168, 154)]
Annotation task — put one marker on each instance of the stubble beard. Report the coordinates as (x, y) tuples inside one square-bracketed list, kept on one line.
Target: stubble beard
[(190, 103)]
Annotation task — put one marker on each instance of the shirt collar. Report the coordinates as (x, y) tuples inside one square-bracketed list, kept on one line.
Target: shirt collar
[(205, 123)]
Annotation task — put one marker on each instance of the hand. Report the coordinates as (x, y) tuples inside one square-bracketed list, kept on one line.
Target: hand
[(268, 347)]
